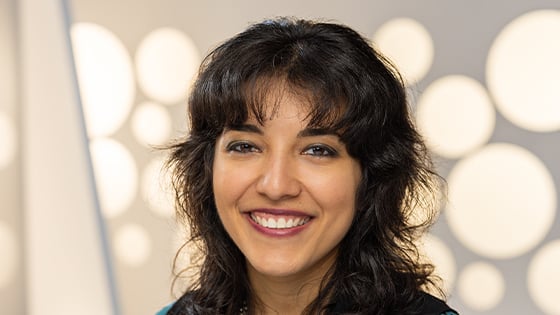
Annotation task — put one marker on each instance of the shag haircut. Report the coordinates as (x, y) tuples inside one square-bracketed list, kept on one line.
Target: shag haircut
[(353, 90)]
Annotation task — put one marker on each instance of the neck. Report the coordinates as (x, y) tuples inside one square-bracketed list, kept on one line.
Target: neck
[(281, 296), (286, 295)]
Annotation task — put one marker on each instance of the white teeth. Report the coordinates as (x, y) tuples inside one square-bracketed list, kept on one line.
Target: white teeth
[(281, 223), (290, 223), (271, 223)]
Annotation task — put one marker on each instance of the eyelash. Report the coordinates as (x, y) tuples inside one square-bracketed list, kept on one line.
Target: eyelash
[(241, 147), (244, 147), (326, 151)]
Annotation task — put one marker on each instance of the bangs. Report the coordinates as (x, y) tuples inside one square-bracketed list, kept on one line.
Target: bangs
[(261, 99), (343, 88)]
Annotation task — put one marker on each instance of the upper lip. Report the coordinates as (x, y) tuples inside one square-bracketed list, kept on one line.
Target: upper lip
[(280, 212)]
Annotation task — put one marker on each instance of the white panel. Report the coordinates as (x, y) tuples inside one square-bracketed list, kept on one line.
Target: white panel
[(66, 259)]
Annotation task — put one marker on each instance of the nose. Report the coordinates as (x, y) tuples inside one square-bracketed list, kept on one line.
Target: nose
[(278, 179)]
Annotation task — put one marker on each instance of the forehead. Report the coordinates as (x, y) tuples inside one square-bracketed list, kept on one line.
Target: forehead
[(286, 105), (267, 97), (277, 99)]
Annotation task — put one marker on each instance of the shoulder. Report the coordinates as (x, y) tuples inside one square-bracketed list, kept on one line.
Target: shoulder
[(164, 310), (435, 306), (183, 306)]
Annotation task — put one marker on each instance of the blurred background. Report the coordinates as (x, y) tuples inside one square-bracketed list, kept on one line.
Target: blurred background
[(90, 89)]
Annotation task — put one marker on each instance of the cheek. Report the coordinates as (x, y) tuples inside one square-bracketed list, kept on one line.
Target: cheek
[(336, 187), (336, 198), (228, 183), (224, 194), (220, 184)]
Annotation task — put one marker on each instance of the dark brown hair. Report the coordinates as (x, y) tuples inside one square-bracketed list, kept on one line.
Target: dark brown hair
[(358, 93)]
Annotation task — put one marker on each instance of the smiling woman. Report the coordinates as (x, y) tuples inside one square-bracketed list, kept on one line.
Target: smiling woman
[(292, 200), (299, 177)]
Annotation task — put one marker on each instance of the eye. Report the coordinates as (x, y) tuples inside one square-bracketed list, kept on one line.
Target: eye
[(241, 147), (320, 150)]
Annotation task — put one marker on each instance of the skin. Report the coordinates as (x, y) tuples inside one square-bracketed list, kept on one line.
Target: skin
[(282, 169)]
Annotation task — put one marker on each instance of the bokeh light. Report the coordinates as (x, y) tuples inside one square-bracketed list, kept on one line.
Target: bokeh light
[(156, 188), (188, 257), (523, 71), (116, 176), (9, 253), (481, 286), (408, 44), (8, 140), (105, 78), (489, 194), (441, 256), (455, 115), (166, 62), (502, 201), (132, 244), (544, 278), (151, 124)]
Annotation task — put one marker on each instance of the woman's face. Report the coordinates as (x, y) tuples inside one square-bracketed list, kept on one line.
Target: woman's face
[(284, 192)]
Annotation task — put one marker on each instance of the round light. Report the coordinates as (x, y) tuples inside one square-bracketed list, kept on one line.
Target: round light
[(151, 124), (455, 115), (481, 286), (522, 71), (166, 62), (8, 140), (132, 244), (544, 278), (408, 44), (493, 194), (116, 176), (436, 252), (187, 259), (105, 77), (9, 254), (157, 190)]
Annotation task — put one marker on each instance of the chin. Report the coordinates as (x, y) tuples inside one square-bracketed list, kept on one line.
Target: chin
[(275, 269)]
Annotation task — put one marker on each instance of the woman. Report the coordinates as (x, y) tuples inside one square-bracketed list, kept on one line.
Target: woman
[(300, 176)]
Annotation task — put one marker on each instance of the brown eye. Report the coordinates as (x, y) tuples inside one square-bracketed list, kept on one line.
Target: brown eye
[(320, 150), (241, 147)]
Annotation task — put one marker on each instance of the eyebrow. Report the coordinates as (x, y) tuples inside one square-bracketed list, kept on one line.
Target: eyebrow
[(245, 128), (311, 132), (307, 132)]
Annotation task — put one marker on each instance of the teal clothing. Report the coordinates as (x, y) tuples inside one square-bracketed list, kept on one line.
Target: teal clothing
[(164, 310)]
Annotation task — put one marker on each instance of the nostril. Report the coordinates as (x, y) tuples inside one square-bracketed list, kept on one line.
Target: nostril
[(276, 186)]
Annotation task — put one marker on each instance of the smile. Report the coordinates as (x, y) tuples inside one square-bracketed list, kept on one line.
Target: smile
[(279, 222)]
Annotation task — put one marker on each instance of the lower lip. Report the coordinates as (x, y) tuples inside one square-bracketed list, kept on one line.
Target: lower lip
[(277, 232)]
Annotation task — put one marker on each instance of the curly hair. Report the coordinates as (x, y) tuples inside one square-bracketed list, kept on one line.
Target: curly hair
[(354, 90)]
